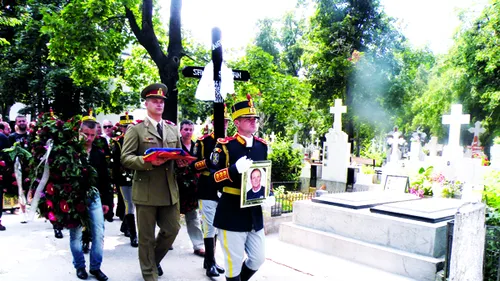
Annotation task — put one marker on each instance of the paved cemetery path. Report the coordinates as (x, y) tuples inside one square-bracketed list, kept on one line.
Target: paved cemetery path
[(30, 252)]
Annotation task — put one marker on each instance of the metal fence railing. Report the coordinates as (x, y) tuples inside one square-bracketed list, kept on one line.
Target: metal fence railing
[(284, 202)]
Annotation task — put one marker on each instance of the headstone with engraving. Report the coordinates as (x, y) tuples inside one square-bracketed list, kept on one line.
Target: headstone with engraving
[(395, 140), (336, 148), (467, 247)]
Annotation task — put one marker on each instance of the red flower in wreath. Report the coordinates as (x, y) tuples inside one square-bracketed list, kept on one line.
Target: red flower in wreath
[(81, 207), (67, 187), (50, 205), (52, 216), (1, 177), (2, 163), (64, 206), (50, 188), (14, 183)]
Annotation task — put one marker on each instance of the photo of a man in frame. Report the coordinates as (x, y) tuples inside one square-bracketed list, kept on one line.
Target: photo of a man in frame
[(256, 190)]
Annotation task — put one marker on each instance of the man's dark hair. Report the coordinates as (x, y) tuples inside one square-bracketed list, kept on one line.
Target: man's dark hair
[(20, 116), (186, 122), (88, 124)]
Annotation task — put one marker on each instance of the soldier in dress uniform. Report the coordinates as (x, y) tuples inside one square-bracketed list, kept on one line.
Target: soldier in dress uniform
[(208, 198), (241, 228), (154, 188), (122, 178)]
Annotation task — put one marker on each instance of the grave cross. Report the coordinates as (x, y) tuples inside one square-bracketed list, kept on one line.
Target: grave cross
[(312, 133), (477, 130), (198, 121), (455, 120), (337, 110), (272, 137), (196, 72)]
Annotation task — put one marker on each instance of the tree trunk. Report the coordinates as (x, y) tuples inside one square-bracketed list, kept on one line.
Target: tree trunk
[(168, 65)]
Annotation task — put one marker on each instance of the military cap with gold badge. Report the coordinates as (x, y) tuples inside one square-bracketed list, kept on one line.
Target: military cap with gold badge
[(126, 119), (90, 117), (157, 90), (244, 109)]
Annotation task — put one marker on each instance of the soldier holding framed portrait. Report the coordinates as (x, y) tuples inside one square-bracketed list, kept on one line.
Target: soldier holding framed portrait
[(241, 229)]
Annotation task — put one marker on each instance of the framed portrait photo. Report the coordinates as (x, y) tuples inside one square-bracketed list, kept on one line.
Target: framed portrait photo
[(255, 184)]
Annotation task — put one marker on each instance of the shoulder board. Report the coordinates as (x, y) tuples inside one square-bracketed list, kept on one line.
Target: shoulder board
[(169, 122), (261, 140), (137, 122), (204, 137), (225, 140)]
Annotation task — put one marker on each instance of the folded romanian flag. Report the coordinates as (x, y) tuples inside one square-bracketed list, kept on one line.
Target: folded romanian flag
[(170, 153)]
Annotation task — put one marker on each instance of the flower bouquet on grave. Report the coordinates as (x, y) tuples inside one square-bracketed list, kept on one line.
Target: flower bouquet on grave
[(153, 154), (64, 181), (421, 185)]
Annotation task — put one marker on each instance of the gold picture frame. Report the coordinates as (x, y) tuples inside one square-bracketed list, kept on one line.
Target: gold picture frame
[(256, 184)]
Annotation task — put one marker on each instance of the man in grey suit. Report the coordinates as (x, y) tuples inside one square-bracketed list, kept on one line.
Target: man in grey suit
[(154, 188)]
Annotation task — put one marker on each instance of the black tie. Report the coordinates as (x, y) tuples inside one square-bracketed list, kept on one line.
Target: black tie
[(160, 130)]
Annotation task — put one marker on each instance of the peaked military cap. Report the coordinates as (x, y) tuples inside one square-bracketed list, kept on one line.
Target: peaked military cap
[(89, 117), (157, 90), (126, 119), (244, 109)]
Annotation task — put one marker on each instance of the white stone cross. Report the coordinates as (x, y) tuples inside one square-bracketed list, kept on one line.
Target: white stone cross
[(272, 137), (198, 121), (337, 110), (317, 142), (477, 130), (455, 120)]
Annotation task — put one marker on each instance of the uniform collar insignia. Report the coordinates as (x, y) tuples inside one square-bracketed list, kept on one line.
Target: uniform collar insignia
[(240, 139)]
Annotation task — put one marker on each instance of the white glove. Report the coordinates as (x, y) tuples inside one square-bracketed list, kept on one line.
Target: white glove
[(243, 164)]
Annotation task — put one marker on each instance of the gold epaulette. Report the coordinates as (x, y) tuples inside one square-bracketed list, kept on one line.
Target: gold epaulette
[(261, 140), (206, 136), (224, 140)]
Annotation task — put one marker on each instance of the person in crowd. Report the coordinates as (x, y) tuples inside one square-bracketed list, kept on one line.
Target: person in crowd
[(154, 188), (122, 178), (208, 196), (4, 143), (187, 180), (21, 134), (242, 228), (97, 207), (108, 130)]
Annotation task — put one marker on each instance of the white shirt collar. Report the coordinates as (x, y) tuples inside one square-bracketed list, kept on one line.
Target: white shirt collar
[(249, 141), (154, 122)]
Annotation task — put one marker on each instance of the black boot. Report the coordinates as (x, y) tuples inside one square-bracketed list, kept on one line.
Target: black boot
[(124, 228), (219, 268), (209, 262), (236, 278), (246, 272), (130, 219)]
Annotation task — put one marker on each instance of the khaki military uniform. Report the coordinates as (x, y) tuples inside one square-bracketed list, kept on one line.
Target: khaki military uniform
[(154, 192)]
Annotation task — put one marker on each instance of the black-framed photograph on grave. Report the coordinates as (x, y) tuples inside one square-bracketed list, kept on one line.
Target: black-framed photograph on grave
[(397, 183), (255, 184)]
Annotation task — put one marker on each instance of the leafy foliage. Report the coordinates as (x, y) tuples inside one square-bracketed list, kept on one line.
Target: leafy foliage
[(287, 162)]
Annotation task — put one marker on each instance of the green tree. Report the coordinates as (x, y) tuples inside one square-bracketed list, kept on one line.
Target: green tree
[(343, 32)]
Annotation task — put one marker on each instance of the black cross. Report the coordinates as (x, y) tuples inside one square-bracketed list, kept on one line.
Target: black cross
[(197, 72)]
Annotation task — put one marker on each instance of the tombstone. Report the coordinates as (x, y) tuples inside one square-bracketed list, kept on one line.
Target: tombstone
[(395, 139), (272, 137), (363, 200), (336, 148), (432, 146), (453, 151), (417, 139), (467, 247), (296, 144)]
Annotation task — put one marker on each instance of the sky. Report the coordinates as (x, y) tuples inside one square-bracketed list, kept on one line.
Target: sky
[(424, 22)]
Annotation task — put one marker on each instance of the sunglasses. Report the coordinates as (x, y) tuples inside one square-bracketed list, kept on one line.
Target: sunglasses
[(107, 127)]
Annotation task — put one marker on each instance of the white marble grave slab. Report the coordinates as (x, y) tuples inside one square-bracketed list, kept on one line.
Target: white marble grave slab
[(363, 200), (431, 210)]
